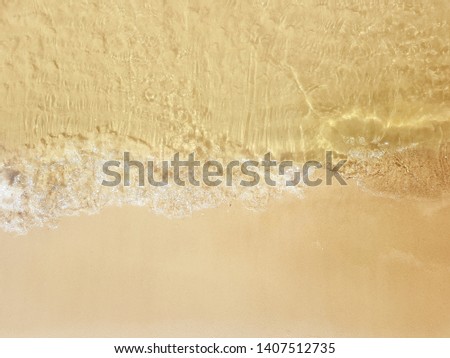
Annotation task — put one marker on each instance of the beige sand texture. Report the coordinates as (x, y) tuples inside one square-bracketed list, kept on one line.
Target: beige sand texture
[(343, 263), (82, 82)]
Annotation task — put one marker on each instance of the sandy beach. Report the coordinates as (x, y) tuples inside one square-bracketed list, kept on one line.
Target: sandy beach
[(339, 263), (86, 83)]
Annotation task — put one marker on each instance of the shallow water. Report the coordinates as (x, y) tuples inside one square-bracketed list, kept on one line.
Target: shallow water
[(82, 83)]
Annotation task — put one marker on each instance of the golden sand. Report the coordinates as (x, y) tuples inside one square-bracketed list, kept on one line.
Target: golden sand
[(339, 263), (82, 82)]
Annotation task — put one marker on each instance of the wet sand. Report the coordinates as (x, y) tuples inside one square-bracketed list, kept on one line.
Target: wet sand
[(341, 262)]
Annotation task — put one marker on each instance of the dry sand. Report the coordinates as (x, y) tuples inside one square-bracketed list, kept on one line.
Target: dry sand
[(338, 263)]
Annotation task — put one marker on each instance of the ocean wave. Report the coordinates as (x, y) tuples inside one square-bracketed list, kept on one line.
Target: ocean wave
[(62, 176)]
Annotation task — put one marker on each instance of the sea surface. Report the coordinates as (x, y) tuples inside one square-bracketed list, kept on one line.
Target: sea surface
[(82, 82)]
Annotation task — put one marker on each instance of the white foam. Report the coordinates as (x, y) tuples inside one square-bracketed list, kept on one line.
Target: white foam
[(63, 176)]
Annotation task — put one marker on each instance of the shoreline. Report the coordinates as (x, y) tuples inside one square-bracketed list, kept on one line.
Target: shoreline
[(63, 176)]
